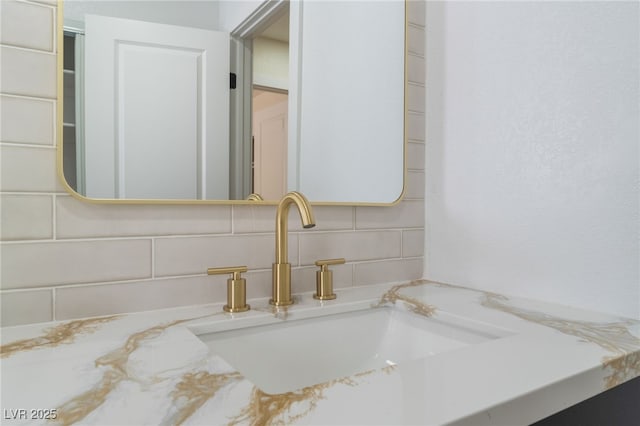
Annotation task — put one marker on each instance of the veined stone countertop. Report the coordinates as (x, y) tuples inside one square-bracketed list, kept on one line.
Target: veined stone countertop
[(150, 368)]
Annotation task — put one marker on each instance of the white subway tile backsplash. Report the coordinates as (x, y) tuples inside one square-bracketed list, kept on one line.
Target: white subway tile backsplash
[(415, 156), (27, 72), (26, 217), (413, 243), (247, 219), (415, 126), (29, 121), (415, 185), (330, 218), (415, 98), (353, 246), (416, 69), (28, 169), (183, 256), (416, 40), (56, 263), (26, 307), (79, 219), (258, 283), (387, 271), (406, 214), (14, 32), (416, 12), (109, 299)]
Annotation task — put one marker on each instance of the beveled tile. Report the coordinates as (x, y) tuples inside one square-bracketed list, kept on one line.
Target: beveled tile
[(26, 217), (353, 246), (415, 185), (193, 255), (25, 120), (416, 126), (415, 98), (416, 12), (29, 169), (26, 307), (78, 219), (27, 72), (117, 298), (416, 69), (38, 34), (406, 214), (247, 219), (415, 156), (413, 243), (416, 40), (72, 262), (387, 271)]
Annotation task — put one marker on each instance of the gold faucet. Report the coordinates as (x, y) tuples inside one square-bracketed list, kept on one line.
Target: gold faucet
[(255, 197), (282, 268)]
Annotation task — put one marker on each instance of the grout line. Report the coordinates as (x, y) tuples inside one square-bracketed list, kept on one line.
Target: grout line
[(39, 3), (416, 25), (28, 145), (30, 49), (78, 240), (20, 193), (26, 193), (29, 97), (416, 84)]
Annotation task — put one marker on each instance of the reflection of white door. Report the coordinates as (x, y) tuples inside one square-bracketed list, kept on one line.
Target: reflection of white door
[(334, 116), (156, 111), (270, 147)]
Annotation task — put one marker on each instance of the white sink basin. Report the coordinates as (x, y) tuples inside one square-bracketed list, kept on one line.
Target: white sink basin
[(286, 356)]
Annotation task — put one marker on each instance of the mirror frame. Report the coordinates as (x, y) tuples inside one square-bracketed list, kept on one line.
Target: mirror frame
[(60, 129)]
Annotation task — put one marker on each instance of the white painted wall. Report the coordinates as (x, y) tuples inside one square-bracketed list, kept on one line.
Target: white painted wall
[(233, 12), (271, 63), (532, 155)]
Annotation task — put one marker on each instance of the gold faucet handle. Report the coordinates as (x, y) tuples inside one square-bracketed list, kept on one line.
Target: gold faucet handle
[(324, 279), (327, 262), (236, 288)]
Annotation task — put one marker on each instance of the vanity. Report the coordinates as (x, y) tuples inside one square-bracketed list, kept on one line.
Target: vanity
[(416, 352)]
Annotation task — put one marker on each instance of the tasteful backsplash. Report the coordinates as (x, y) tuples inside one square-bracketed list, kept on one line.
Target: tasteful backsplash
[(62, 258)]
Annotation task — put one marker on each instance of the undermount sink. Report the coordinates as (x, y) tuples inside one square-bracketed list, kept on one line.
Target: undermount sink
[(293, 354)]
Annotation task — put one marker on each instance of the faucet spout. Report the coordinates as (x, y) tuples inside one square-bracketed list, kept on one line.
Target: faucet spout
[(282, 268), (282, 218)]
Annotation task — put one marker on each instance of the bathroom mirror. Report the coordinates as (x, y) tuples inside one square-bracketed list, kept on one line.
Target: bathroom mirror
[(207, 101)]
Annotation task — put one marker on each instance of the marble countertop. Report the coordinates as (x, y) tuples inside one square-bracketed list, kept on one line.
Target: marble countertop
[(150, 368)]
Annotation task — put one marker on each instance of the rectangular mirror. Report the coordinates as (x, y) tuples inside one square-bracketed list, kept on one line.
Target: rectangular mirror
[(211, 101)]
